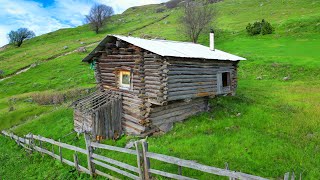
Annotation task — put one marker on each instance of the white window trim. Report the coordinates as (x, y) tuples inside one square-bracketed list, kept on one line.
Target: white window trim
[(124, 86)]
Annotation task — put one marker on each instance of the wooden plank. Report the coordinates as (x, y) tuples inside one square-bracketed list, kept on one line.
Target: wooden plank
[(106, 175), (81, 168), (60, 144), (169, 175), (203, 168), (115, 162), (132, 176), (113, 148)]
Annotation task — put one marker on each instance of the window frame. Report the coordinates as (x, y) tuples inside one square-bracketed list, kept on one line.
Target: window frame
[(121, 85), (220, 85)]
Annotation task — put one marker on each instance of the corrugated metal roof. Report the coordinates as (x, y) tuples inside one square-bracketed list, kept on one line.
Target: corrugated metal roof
[(173, 49)]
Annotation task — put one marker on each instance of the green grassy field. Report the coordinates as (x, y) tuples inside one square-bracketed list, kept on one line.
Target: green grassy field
[(269, 128)]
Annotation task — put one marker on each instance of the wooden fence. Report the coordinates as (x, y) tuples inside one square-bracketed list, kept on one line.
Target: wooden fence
[(143, 170)]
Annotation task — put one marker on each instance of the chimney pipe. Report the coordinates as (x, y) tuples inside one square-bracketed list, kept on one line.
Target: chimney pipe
[(211, 40)]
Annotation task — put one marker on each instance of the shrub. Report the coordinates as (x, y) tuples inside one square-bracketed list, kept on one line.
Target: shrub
[(262, 27), (160, 10), (266, 28)]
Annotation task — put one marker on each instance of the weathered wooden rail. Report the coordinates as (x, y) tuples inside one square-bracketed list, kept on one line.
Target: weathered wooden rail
[(142, 171)]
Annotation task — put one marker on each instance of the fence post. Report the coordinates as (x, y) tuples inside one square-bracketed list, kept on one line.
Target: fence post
[(146, 160), (40, 144), (89, 154), (293, 176), (286, 176), (31, 142), (52, 149), (60, 152), (179, 170), (76, 161), (139, 162)]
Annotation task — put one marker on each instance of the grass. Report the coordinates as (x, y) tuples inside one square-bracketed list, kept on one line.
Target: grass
[(269, 128)]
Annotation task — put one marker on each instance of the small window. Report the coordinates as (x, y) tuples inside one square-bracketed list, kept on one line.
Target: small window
[(125, 79), (226, 79)]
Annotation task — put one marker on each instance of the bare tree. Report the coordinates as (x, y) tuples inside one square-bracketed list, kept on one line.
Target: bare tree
[(98, 16), (197, 17), (17, 37)]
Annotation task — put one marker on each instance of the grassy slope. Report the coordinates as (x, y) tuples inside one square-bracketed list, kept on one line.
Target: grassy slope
[(278, 129)]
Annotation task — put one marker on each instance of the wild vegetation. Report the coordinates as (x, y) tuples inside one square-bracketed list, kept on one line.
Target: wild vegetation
[(270, 127)]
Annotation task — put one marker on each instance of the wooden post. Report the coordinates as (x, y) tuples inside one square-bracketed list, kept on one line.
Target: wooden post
[(286, 176), (227, 168), (293, 176), (31, 142), (76, 162), (40, 144), (52, 149), (89, 154), (60, 152), (146, 160), (141, 174), (179, 170)]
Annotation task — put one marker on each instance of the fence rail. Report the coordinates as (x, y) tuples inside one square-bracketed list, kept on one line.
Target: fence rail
[(142, 171)]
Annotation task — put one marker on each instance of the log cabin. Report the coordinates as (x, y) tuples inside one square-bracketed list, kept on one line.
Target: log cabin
[(147, 85)]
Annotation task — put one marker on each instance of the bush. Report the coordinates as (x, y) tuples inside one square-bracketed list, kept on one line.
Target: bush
[(266, 28), (160, 10), (262, 27)]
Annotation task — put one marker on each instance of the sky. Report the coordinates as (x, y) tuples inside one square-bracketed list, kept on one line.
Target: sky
[(43, 16)]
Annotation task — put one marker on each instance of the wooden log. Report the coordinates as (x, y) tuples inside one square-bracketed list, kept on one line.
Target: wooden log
[(178, 85), (173, 98), (194, 80), (188, 92), (191, 72), (198, 88)]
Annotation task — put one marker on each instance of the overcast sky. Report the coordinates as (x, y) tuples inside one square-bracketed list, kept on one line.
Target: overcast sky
[(43, 16)]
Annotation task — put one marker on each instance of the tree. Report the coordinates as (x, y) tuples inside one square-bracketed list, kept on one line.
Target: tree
[(197, 17), (99, 14), (17, 37)]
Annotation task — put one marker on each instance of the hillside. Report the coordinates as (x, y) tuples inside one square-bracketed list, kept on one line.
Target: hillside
[(269, 128)]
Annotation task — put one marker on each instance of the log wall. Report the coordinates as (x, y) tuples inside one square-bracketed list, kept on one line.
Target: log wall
[(123, 56), (193, 78), (175, 111), (164, 89)]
